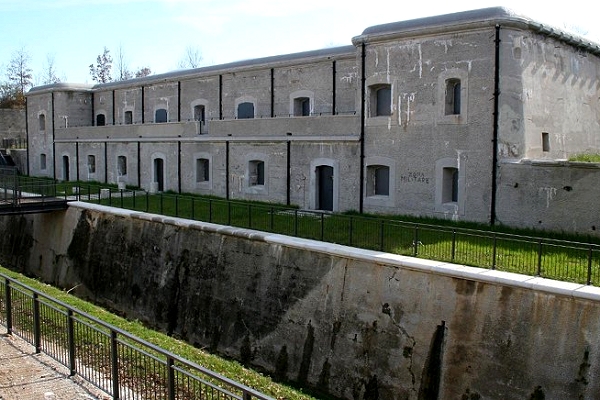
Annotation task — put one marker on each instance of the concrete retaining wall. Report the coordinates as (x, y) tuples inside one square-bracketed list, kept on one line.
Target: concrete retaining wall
[(353, 323)]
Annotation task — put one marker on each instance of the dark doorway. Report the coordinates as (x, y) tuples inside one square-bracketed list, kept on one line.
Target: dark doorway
[(159, 176), (65, 168), (324, 188)]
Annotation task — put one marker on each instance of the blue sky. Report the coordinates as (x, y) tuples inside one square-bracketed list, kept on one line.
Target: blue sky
[(155, 33)]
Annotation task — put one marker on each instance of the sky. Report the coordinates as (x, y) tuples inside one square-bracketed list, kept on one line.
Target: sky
[(156, 33)]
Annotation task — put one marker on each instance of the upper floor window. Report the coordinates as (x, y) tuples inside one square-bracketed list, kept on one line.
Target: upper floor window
[(301, 106), (160, 115), (450, 185), (199, 113), (42, 122), (122, 166), (202, 170), (91, 163), (256, 171), (378, 180), (381, 100), (245, 110), (100, 120), (453, 89), (128, 118)]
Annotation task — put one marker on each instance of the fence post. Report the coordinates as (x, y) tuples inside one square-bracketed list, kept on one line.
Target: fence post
[(71, 341), (453, 244), (589, 270), (170, 378), (147, 201), (322, 226), (381, 230), (295, 222), (416, 242), (246, 396), (161, 203), (114, 358), (121, 198), (177, 206), (228, 213), (351, 229), (249, 216), (37, 341), (99, 194), (209, 210), (193, 216), (539, 263), (494, 252), (8, 307), (133, 198), (271, 225)]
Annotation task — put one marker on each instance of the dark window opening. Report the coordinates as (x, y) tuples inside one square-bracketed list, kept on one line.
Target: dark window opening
[(545, 141), (202, 170), (453, 89), (450, 185), (301, 107), (160, 115), (128, 117), (122, 166), (100, 120), (42, 121), (199, 113), (257, 173), (378, 180), (91, 164), (245, 110), (42, 161)]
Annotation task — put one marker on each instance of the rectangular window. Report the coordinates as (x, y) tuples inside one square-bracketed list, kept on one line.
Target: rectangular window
[(160, 115), (245, 110), (301, 107), (42, 161), (122, 166), (453, 89), (128, 117), (202, 170), (257, 173), (378, 180), (545, 141), (91, 164), (450, 185), (42, 122), (199, 113), (381, 100)]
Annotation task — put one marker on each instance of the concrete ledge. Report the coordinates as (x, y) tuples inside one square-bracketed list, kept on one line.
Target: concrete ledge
[(560, 288)]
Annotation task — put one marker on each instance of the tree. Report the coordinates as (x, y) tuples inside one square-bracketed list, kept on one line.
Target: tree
[(142, 72), (191, 58), (101, 71), (122, 68), (19, 74), (49, 75)]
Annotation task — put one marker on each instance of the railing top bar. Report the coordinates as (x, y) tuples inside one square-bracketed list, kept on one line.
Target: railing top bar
[(143, 342)]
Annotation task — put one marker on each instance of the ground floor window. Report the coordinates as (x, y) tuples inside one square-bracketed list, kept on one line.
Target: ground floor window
[(378, 180)]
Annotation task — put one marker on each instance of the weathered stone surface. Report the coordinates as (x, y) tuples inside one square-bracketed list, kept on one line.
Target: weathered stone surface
[(352, 323)]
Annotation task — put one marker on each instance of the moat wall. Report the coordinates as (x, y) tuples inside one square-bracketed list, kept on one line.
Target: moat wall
[(353, 323)]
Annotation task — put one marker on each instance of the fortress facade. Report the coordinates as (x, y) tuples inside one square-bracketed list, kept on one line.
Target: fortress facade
[(471, 116)]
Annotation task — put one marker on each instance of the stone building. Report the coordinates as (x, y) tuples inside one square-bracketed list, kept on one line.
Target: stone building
[(470, 116)]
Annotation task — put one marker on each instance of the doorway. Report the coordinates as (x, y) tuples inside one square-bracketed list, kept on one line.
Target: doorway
[(324, 175), (159, 174), (65, 168)]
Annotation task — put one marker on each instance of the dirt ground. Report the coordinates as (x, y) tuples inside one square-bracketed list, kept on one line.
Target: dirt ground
[(25, 375)]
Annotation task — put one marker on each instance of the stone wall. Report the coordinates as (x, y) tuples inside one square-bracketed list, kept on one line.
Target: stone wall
[(352, 323), (12, 125)]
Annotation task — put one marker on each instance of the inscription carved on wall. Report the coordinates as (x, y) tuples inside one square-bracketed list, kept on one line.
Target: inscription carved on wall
[(415, 177)]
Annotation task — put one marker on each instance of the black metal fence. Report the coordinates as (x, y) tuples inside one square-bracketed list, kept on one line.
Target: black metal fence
[(537, 256), (115, 361)]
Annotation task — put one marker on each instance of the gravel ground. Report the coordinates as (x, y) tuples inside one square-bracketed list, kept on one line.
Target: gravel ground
[(25, 375)]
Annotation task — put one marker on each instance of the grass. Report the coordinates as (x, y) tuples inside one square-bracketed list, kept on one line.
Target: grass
[(586, 157), (231, 369)]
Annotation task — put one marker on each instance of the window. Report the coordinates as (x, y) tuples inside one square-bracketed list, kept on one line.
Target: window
[(42, 161), (128, 117), (42, 122), (381, 100), (378, 180), (245, 110), (450, 185), (301, 107), (199, 113), (453, 89), (202, 170), (545, 141), (91, 163), (100, 120), (256, 173), (160, 115), (122, 166)]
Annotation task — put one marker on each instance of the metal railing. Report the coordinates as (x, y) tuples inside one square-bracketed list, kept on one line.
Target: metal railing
[(18, 195), (122, 365), (537, 256)]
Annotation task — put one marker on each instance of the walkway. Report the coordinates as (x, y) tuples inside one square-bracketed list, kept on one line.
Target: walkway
[(25, 375)]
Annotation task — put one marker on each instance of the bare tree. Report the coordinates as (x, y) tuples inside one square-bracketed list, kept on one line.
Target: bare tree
[(101, 71), (191, 58), (18, 71), (142, 72), (122, 69), (49, 74)]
